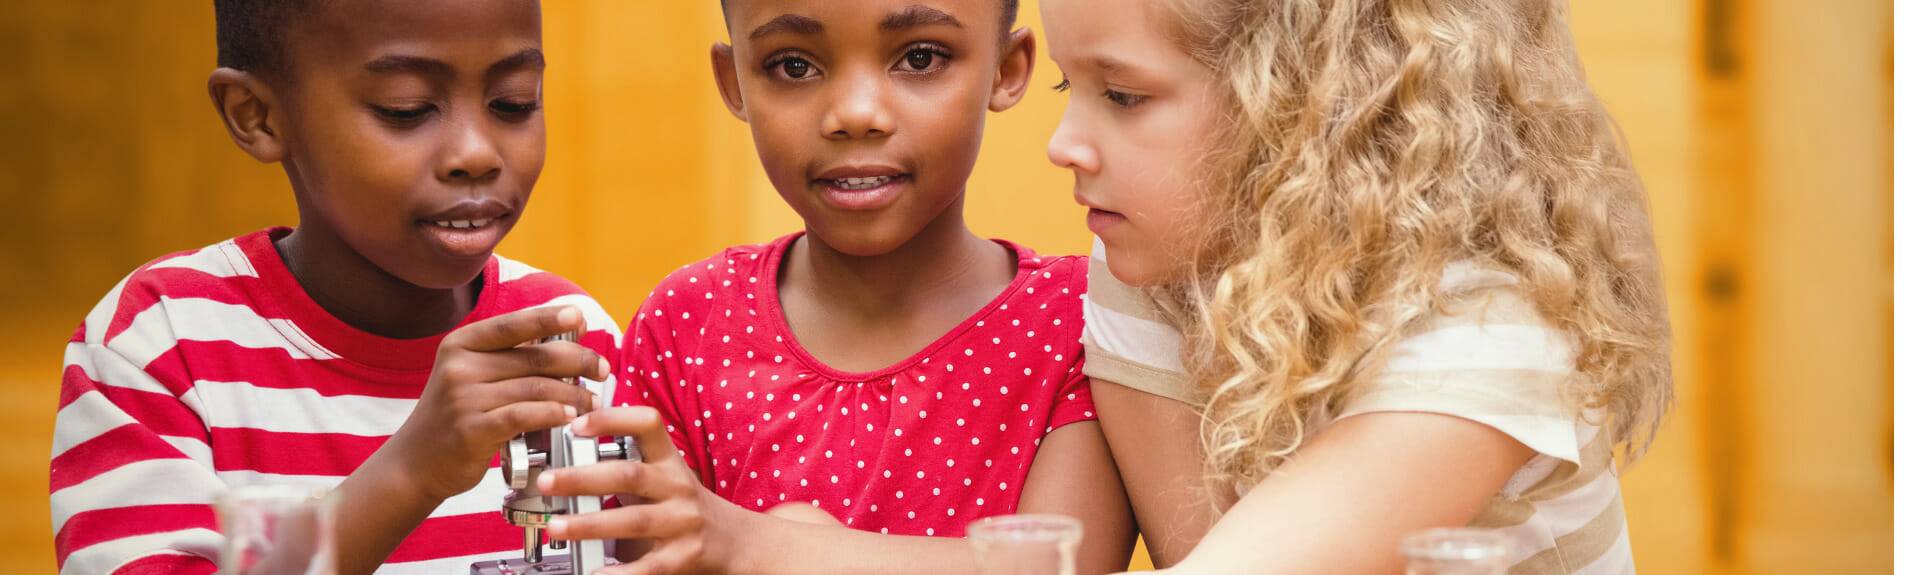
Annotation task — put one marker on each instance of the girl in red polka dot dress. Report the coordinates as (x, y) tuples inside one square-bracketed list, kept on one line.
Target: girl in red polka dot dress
[(883, 376)]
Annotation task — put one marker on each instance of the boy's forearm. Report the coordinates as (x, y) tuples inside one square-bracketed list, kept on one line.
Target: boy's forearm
[(377, 506)]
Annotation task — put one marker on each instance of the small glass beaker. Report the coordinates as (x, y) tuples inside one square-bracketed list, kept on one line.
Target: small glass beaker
[(1024, 544), (276, 530), (1456, 551)]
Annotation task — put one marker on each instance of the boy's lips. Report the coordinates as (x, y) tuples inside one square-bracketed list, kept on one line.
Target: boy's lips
[(468, 230)]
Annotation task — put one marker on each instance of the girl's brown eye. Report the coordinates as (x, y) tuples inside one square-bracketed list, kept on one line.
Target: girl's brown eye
[(796, 68), (920, 59)]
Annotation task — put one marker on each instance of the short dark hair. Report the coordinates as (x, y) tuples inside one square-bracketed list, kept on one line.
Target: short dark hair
[(1010, 12), (250, 35)]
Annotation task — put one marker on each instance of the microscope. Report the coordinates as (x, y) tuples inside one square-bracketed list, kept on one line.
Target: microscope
[(522, 460)]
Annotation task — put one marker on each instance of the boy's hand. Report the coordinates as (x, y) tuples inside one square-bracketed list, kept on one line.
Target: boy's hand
[(487, 387), (662, 501)]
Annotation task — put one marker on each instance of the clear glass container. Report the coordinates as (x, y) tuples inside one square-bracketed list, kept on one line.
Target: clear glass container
[(1456, 551), (1025, 544), (277, 530)]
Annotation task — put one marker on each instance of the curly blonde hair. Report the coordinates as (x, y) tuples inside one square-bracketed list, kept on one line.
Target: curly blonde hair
[(1368, 144)]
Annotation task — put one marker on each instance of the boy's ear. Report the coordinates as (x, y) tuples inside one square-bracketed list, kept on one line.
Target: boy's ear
[(246, 106), (728, 81), (1016, 71)]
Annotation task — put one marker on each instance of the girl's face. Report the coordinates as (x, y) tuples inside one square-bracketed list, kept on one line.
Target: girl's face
[(1139, 120)]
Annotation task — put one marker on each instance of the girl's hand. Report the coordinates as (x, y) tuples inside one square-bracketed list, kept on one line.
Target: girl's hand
[(662, 501)]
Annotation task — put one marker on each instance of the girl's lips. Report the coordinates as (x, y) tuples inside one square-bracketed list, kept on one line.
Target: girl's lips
[(1099, 220), (864, 195)]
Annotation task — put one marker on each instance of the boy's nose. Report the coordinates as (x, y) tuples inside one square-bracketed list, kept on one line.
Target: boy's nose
[(859, 111), (471, 155)]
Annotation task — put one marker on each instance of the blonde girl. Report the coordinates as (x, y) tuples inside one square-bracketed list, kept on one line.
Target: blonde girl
[(1370, 266)]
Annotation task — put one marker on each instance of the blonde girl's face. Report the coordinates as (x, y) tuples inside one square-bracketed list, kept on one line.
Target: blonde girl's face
[(1141, 114)]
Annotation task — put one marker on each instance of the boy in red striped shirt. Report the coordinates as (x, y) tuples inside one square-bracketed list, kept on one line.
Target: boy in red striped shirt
[(375, 349)]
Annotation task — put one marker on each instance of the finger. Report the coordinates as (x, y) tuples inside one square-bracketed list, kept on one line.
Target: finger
[(652, 521), (556, 359), (641, 423), (676, 557), (512, 329), (612, 478), (502, 423), (503, 393)]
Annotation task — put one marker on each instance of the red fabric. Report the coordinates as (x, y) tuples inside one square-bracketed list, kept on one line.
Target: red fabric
[(922, 447), (213, 368)]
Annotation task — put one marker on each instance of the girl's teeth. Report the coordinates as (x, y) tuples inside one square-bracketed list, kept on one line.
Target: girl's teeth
[(862, 183)]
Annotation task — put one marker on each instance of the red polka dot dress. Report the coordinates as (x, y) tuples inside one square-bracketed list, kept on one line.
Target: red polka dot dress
[(921, 447)]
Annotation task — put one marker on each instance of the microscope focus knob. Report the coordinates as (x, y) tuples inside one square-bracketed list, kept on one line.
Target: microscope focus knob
[(516, 463)]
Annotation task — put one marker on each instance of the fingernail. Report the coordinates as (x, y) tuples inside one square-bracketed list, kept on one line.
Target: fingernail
[(569, 314), (571, 412), (606, 369), (556, 526), (545, 482), (579, 424)]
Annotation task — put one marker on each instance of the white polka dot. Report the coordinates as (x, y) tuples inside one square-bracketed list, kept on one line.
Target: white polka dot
[(1003, 486), (899, 495), (919, 475), (960, 422), (949, 512)]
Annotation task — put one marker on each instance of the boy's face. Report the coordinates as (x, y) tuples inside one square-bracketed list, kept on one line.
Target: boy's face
[(868, 114), (415, 129)]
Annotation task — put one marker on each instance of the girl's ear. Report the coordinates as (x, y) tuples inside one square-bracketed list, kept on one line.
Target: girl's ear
[(1016, 70), (727, 80), (246, 106)]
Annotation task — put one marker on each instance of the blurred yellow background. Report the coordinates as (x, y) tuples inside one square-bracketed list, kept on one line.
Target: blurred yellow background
[(1763, 129)]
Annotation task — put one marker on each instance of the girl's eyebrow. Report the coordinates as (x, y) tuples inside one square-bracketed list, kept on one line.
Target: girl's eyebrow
[(790, 24), (918, 15), (1109, 65)]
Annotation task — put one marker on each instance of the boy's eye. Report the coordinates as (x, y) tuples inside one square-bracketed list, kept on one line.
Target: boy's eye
[(923, 58), (1062, 86), (513, 108), (1123, 99), (404, 114)]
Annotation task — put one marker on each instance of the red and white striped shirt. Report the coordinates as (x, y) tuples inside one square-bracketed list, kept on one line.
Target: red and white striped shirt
[(212, 368)]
